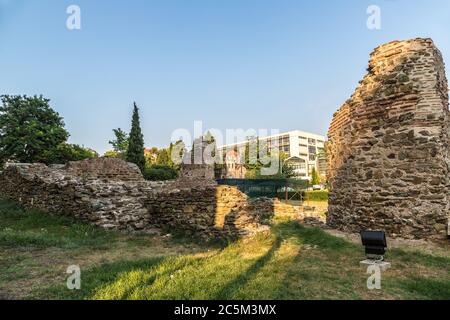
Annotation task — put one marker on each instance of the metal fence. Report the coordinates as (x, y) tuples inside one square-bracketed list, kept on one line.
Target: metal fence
[(271, 188)]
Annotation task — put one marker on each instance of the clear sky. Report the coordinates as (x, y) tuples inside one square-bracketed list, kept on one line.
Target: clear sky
[(278, 64)]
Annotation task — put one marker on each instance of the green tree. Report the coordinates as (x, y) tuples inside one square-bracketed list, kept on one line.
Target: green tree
[(163, 158), (251, 160), (135, 152), (120, 143), (111, 154), (160, 172), (71, 152), (150, 156), (30, 130), (315, 178)]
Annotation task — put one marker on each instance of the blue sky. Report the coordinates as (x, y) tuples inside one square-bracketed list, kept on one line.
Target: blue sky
[(285, 64)]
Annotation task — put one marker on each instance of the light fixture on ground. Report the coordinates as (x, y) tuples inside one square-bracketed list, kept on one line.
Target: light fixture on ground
[(375, 245)]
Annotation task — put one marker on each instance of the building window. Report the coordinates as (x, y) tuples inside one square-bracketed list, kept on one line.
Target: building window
[(312, 150), (303, 145), (312, 157), (312, 141), (298, 166)]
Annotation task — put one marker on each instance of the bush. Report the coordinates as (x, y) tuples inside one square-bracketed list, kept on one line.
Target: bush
[(70, 152), (319, 195), (159, 173)]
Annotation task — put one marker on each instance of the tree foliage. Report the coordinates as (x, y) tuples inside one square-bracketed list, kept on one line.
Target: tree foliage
[(120, 143), (315, 178), (163, 158), (135, 152), (159, 173), (71, 152), (30, 130)]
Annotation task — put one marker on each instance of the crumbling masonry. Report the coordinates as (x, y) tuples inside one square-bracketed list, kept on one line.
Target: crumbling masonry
[(112, 194), (388, 151)]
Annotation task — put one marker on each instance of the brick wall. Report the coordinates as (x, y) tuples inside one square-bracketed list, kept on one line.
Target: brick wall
[(388, 162)]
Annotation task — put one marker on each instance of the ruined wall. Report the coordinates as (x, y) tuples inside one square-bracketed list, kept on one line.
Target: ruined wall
[(110, 169), (388, 157), (108, 198), (213, 212), (111, 204), (199, 210)]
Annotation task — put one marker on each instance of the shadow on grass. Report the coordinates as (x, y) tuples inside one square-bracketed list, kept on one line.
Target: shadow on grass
[(240, 281), (95, 278), (242, 269)]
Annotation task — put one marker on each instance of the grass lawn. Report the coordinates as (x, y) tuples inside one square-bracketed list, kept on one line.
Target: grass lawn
[(293, 262)]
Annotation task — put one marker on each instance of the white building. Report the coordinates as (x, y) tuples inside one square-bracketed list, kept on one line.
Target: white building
[(304, 150)]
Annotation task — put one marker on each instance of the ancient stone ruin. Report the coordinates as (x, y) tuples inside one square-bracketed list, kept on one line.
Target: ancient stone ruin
[(389, 148), (112, 194)]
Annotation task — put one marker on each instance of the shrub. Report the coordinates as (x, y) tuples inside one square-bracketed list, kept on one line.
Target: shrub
[(159, 173), (70, 152), (319, 195)]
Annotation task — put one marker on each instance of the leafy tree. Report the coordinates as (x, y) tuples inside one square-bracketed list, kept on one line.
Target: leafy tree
[(163, 158), (30, 130), (151, 156), (120, 144), (111, 154), (71, 152), (251, 160), (177, 152), (160, 172), (315, 178), (135, 152), (287, 170)]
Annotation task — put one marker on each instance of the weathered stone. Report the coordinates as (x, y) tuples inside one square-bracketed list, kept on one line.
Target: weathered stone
[(113, 195), (389, 146)]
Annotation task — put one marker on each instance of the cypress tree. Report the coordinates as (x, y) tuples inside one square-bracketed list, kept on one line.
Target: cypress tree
[(135, 153)]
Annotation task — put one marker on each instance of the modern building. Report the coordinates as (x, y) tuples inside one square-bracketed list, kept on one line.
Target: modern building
[(304, 150)]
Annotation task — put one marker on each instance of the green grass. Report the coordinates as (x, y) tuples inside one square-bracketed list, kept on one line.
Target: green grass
[(292, 262), (316, 195), (20, 228)]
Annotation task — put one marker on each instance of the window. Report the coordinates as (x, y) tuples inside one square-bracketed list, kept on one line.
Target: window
[(312, 150), (298, 166), (312, 157), (303, 145), (312, 141)]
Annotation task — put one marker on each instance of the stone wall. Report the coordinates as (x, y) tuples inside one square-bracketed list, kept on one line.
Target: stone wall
[(213, 212), (106, 198), (200, 210), (104, 169), (111, 204), (388, 157)]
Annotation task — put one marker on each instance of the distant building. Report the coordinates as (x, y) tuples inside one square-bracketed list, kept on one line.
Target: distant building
[(233, 167), (305, 151)]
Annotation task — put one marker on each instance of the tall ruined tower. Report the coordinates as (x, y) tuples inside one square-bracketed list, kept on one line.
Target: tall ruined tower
[(389, 146)]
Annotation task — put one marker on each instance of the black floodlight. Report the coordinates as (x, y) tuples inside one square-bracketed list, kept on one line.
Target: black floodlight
[(374, 243)]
